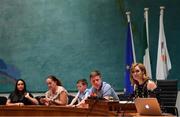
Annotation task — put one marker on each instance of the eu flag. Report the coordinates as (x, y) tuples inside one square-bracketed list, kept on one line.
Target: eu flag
[(128, 88)]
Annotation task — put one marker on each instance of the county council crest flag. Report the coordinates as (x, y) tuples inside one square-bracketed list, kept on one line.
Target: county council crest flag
[(163, 59)]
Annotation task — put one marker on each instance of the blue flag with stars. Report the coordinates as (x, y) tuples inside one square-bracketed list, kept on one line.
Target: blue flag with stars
[(128, 88)]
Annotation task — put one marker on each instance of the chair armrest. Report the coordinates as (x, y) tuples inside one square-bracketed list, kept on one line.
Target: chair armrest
[(170, 109)]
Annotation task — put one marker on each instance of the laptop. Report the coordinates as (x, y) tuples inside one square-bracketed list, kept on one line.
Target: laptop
[(148, 106)]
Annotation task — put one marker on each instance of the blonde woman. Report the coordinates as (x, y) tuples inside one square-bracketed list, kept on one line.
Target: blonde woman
[(143, 86)]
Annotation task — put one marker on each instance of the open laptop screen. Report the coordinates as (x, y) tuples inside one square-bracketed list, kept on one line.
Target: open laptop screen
[(148, 106)]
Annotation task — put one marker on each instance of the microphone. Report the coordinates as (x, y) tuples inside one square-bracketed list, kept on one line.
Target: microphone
[(101, 97), (95, 97)]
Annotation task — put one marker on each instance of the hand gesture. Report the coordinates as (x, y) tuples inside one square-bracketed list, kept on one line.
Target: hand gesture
[(45, 101), (151, 86), (27, 95)]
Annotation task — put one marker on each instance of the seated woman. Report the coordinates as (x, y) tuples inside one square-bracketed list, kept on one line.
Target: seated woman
[(20, 96), (56, 95), (143, 86), (82, 94)]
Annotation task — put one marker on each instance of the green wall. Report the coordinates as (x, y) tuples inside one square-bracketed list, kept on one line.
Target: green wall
[(70, 38)]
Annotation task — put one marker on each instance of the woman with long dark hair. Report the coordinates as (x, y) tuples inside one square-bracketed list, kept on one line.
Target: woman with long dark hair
[(20, 96)]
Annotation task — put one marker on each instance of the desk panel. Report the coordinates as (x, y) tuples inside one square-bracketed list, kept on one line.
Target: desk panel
[(50, 111)]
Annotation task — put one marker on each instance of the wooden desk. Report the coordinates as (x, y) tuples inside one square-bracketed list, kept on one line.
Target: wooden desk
[(123, 108), (95, 108), (50, 111), (102, 105), (110, 105)]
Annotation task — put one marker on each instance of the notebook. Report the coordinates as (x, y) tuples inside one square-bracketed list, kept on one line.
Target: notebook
[(148, 106)]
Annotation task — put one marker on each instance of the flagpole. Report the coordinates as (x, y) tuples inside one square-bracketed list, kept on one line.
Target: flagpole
[(147, 25), (162, 10), (129, 21), (128, 16), (161, 18), (146, 58)]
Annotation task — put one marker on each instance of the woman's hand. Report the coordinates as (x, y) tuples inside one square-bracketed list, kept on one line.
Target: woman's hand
[(45, 101), (42, 100), (71, 105), (27, 95), (33, 100), (151, 85), (20, 104)]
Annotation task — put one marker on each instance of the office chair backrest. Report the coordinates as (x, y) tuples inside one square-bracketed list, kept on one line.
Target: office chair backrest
[(167, 92), (3, 100), (70, 98)]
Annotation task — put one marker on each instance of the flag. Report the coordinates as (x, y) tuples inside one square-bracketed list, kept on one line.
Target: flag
[(145, 45), (130, 58), (163, 60)]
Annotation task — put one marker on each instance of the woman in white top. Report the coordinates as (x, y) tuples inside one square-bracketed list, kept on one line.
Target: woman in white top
[(56, 95)]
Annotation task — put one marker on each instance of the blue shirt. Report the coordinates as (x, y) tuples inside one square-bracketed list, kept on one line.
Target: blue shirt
[(105, 90), (83, 95)]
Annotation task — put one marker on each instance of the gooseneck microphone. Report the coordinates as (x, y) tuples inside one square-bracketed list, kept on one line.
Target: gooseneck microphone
[(96, 99)]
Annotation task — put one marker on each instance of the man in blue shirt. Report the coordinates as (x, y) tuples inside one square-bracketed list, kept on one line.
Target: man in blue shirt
[(101, 89)]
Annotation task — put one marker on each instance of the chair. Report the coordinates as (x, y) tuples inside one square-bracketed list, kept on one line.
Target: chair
[(167, 95), (70, 98), (3, 100)]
